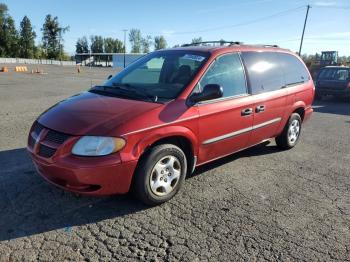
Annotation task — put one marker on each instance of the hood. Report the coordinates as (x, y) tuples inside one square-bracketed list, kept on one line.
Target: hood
[(92, 114)]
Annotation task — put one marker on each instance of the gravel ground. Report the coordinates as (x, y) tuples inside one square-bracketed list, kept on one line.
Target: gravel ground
[(259, 204)]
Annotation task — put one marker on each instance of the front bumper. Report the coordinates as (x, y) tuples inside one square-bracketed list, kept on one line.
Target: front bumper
[(87, 175)]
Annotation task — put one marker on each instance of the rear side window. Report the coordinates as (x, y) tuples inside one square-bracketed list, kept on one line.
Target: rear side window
[(226, 71), (294, 70), (337, 74), (264, 71)]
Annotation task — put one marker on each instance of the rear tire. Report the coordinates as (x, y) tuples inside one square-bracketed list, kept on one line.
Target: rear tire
[(291, 133), (160, 174)]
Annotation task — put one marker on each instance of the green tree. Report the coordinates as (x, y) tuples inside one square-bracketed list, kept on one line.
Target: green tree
[(82, 45), (146, 44), (159, 42), (3, 11), (8, 34), (26, 39), (53, 37), (222, 42), (113, 45), (96, 45), (39, 52), (3, 15), (135, 40), (343, 60), (10, 38), (118, 46), (108, 44), (196, 40)]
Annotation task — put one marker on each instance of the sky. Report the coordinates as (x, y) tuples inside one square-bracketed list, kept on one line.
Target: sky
[(250, 21)]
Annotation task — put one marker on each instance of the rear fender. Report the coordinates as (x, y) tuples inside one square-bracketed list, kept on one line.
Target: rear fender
[(295, 106)]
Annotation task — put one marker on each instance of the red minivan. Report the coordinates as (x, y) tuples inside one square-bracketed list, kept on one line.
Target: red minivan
[(172, 110)]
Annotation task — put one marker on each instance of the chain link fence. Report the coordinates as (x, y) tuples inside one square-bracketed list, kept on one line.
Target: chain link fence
[(36, 61)]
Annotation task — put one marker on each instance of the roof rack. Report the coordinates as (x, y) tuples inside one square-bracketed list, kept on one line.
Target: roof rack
[(223, 42), (263, 45), (206, 43)]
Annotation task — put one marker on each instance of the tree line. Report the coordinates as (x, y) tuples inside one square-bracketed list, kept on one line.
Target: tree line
[(310, 59), (139, 43), (21, 42)]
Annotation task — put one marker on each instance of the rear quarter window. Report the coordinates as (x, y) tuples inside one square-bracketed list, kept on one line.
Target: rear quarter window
[(294, 70), (264, 71)]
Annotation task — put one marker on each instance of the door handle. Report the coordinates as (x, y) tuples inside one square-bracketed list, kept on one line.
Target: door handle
[(260, 108), (247, 112)]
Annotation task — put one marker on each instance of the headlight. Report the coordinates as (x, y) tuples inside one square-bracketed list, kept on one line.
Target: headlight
[(97, 146)]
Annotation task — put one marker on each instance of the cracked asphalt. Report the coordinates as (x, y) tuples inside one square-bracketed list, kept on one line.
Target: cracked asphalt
[(260, 204)]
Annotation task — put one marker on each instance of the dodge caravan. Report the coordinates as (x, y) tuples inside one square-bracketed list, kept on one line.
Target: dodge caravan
[(169, 112)]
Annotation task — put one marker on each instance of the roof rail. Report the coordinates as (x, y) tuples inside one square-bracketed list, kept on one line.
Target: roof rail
[(213, 42), (263, 45)]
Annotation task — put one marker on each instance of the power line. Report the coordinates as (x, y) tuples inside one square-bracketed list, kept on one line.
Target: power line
[(314, 38), (241, 24)]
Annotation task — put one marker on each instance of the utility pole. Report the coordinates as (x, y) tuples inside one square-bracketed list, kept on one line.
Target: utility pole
[(302, 36), (125, 30)]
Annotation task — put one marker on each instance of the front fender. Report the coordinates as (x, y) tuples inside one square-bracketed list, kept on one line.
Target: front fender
[(140, 142)]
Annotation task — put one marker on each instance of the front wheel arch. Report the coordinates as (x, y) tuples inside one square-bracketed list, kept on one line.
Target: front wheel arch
[(181, 141), (141, 185)]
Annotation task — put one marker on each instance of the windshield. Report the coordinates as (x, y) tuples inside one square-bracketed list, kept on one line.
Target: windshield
[(158, 76)]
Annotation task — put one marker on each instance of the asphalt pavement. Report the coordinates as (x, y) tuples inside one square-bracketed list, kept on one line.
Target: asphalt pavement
[(259, 204)]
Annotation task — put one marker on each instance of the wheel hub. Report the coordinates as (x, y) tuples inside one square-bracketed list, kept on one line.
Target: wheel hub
[(294, 131), (165, 175)]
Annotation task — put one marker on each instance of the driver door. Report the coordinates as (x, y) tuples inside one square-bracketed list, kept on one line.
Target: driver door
[(225, 123)]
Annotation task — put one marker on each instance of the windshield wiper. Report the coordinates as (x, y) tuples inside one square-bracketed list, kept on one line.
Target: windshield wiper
[(136, 90), (123, 90)]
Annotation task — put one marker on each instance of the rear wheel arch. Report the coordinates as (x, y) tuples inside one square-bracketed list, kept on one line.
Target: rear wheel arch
[(299, 108), (301, 112)]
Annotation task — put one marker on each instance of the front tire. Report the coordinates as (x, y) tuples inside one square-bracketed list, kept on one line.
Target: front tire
[(291, 133), (160, 174)]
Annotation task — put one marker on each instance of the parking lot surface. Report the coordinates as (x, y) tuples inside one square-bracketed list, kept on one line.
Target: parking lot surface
[(259, 204)]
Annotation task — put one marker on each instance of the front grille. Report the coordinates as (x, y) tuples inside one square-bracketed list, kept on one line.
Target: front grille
[(31, 142), (37, 128), (56, 137), (46, 151)]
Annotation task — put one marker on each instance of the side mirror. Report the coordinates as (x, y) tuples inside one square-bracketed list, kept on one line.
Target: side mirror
[(210, 91), (109, 77)]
